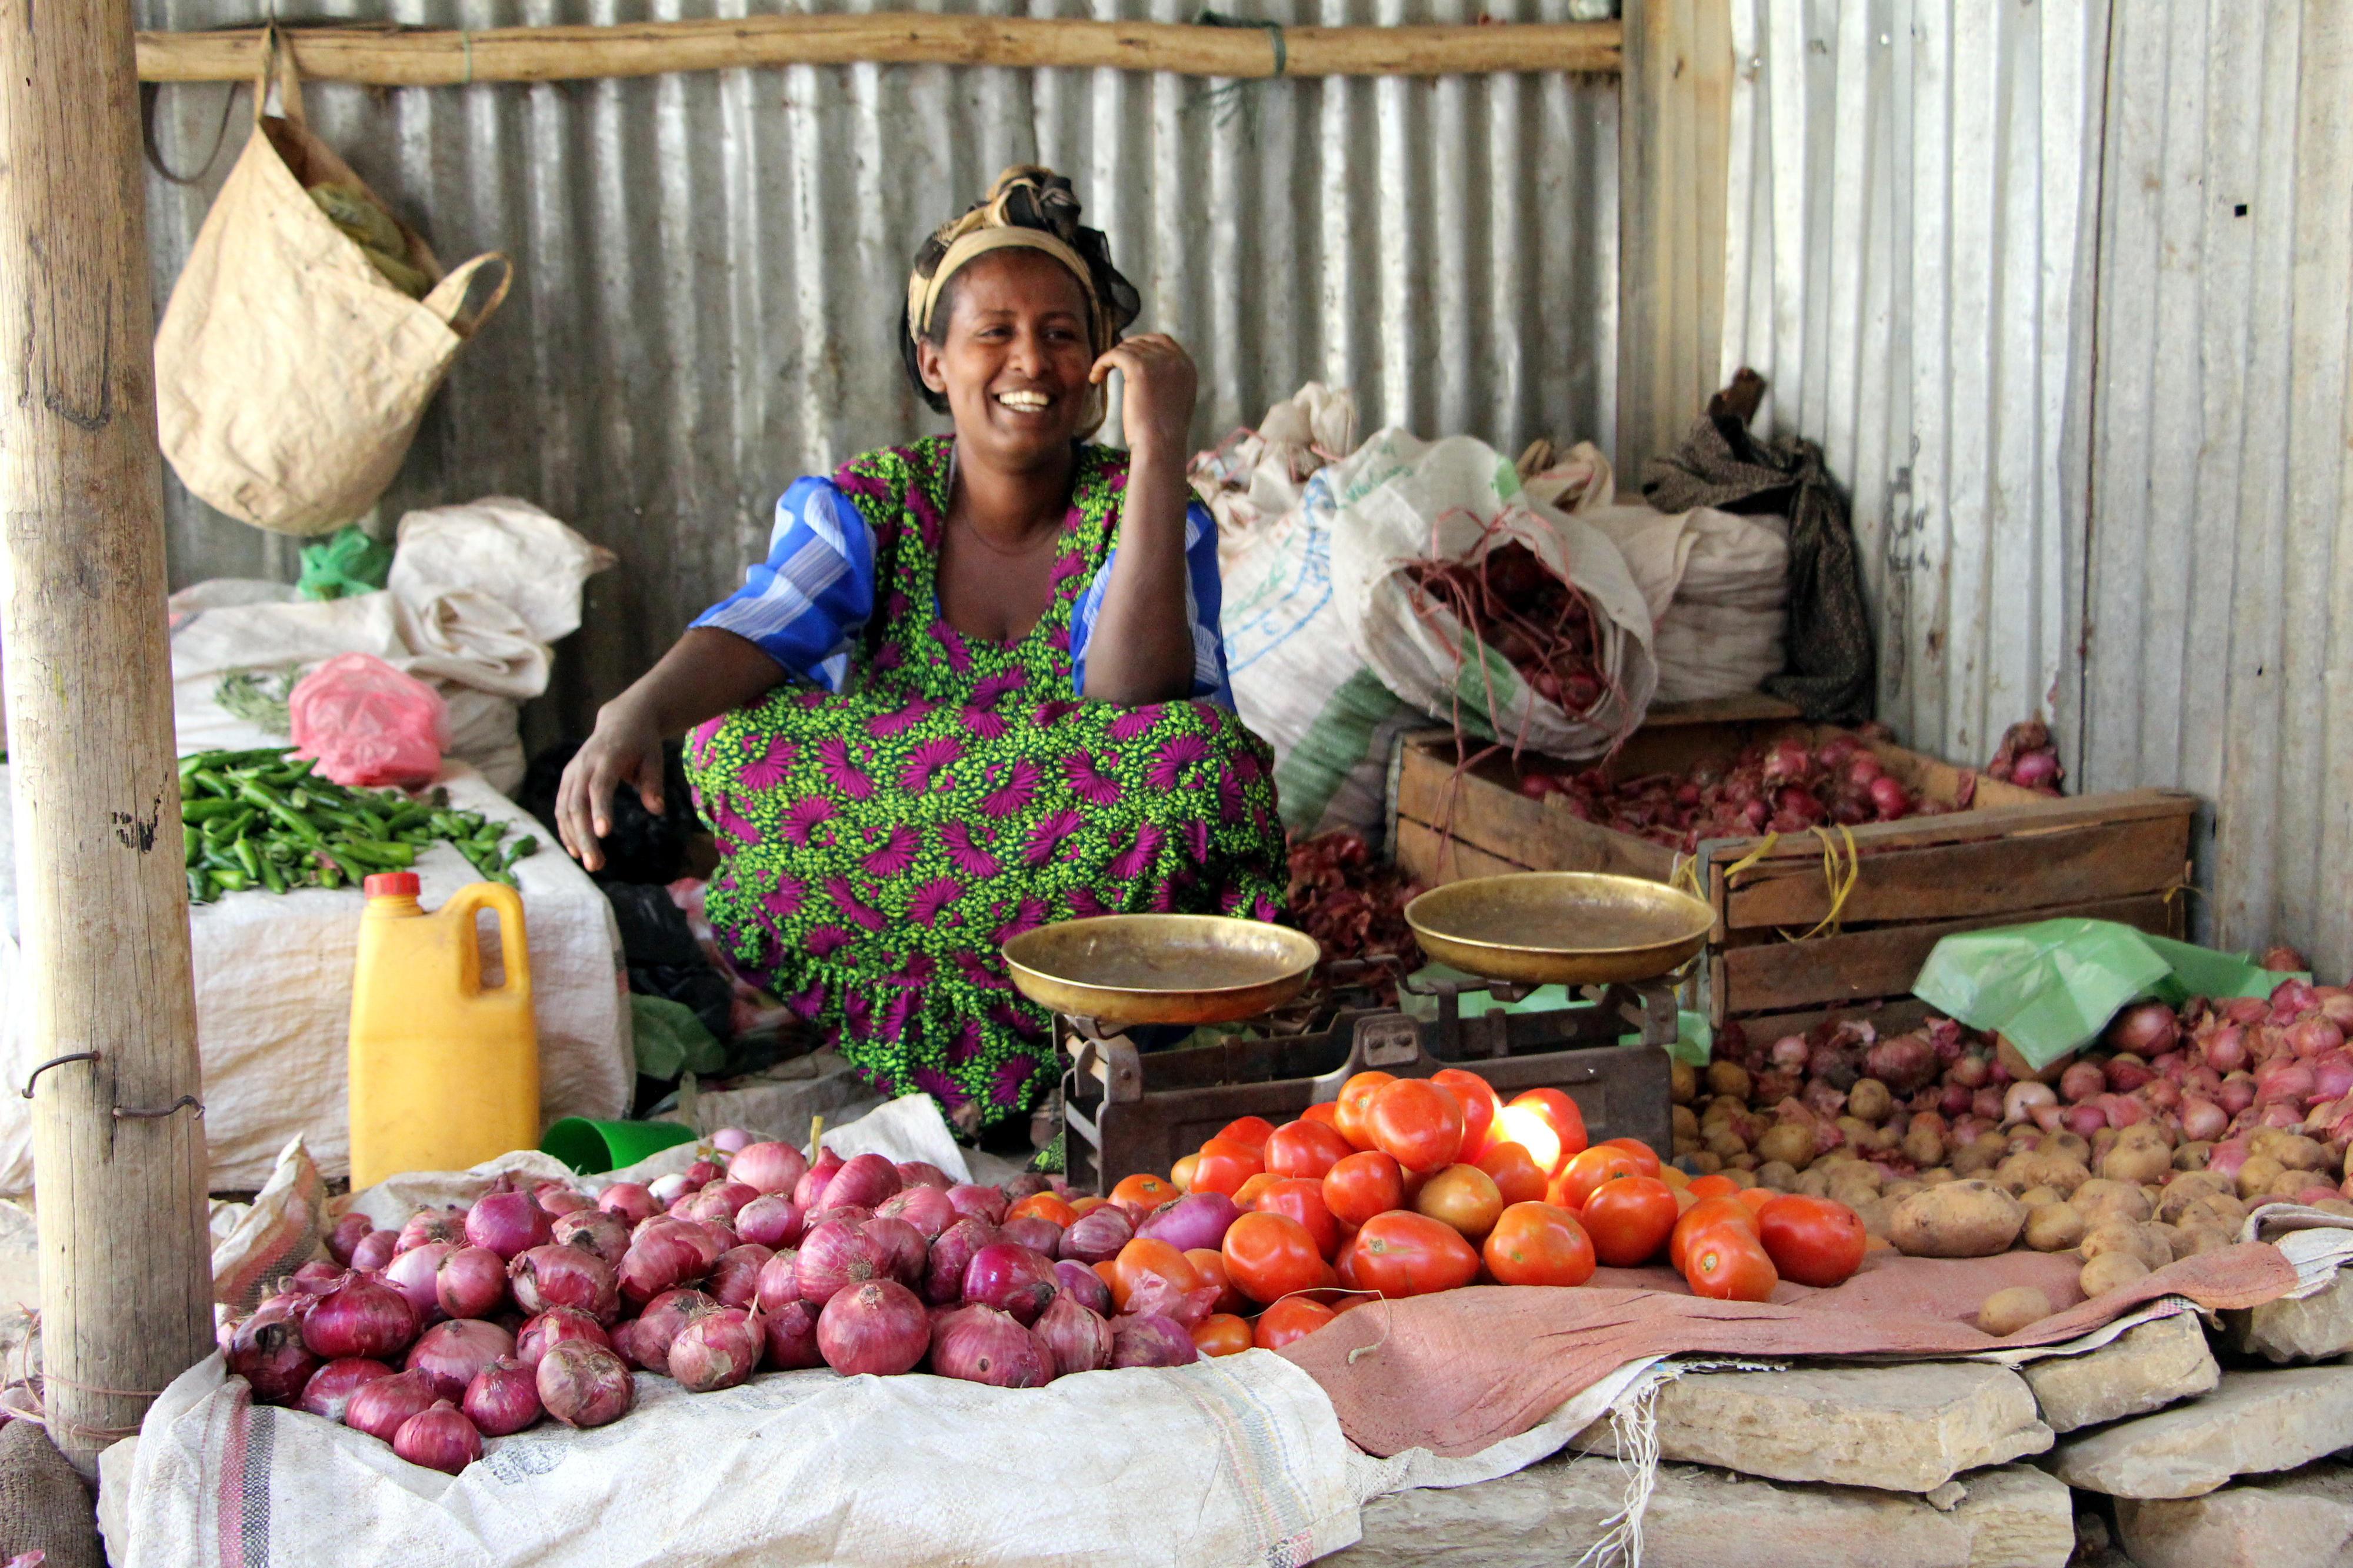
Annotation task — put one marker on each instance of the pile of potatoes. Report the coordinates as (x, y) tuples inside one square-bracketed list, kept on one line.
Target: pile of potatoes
[(2128, 1201)]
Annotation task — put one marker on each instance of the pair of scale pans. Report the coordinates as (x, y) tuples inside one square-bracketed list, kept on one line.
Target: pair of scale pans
[(1533, 927)]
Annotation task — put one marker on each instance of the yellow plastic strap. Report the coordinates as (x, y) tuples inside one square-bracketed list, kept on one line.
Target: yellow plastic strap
[(1751, 859), (1686, 877), (1840, 876)]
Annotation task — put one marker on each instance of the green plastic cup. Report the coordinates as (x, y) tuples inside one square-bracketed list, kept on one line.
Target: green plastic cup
[(593, 1148)]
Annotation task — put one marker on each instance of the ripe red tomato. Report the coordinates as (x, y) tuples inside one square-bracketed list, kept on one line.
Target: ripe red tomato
[(1629, 1219), (1363, 1185), (1547, 1124), (1328, 1111), (1480, 1103), (1289, 1320), (1727, 1265), (1713, 1186), (1211, 1265), (1305, 1148), (1269, 1255), (1706, 1215), (1300, 1198), (1145, 1190), (1043, 1206), (1224, 1166), (1514, 1172), (1403, 1254), (1250, 1132), (1538, 1244), (1221, 1333), (1755, 1198), (1356, 1099), (1646, 1160), (1578, 1180), (1463, 1197), (1813, 1241), (1417, 1123)]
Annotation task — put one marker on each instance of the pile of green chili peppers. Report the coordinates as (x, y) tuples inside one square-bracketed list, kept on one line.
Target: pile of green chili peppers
[(264, 819)]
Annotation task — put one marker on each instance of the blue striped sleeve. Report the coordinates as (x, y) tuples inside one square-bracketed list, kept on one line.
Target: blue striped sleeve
[(806, 606), (1204, 596)]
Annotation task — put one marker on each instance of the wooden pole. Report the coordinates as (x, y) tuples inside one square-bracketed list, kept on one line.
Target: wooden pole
[(119, 1159), (399, 58)]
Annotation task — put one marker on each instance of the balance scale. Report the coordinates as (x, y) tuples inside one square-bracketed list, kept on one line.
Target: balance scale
[(1126, 1109)]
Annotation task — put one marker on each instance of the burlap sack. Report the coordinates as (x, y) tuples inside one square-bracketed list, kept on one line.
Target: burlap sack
[(43, 1506), (289, 374)]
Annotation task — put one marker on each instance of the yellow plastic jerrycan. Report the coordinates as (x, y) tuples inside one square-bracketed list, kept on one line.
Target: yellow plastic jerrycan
[(444, 1071)]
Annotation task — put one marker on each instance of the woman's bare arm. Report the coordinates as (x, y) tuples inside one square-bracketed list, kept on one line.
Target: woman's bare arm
[(1142, 648), (707, 672)]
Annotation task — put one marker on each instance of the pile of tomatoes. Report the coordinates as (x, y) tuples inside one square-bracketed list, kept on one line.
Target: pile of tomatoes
[(1406, 1186)]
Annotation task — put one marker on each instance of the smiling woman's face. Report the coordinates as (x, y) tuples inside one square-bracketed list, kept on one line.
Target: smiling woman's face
[(1014, 363)]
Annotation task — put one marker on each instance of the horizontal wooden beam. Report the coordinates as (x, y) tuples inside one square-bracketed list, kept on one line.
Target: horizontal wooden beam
[(393, 57)]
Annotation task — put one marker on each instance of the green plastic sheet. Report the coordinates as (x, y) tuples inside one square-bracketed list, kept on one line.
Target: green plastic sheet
[(345, 562), (2049, 987)]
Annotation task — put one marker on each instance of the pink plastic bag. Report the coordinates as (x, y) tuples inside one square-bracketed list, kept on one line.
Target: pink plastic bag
[(368, 723)]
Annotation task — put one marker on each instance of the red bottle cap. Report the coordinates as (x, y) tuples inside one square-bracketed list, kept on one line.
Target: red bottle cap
[(392, 885)]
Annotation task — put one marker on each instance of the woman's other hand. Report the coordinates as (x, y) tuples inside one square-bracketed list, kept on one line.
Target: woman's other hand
[(1157, 401), (625, 749)]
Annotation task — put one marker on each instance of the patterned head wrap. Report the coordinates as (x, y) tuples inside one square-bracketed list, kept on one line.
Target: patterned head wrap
[(1030, 208)]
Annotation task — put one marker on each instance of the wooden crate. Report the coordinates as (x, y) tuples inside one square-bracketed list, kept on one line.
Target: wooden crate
[(2013, 856)]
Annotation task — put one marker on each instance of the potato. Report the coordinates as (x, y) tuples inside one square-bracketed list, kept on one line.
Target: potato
[(2177, 1246), (2256, 1176), (1729, 1080), (2290, 1185), (2123, 1236), (1791, 1143), (1704, 1163), (1813, 1182), (1877, 1213), (2292, 1150), (2054, 1227), (1725, 1145), (1957, 1219), (2191, 1156), (1902, 1187), (2101, 1198), (2335, 1206), (2037, 1197), (2184, 1192), (1682, 1083), (2110, 1271), (2006, 1312), (1742, 1163), (1871, 1100), (1777, 1174), (1854, 1130), (1978, 1157), (1935, 1176), (2069, 1144), (2137, 1159), (1738, 1175), (2041, 1168), (1923, 1145), (2225, 1208), (2199, 1234)]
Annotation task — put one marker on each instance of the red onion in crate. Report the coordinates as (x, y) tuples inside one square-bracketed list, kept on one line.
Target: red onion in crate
[(768, 1167), (2085, 1120), (701, 1173), (2282, 1080), (1195, 1220), (985, 1205), (1960, 1100), (864, 1180), (2125, 1073), (2225, 1049), (1011, 1277), (659, 1260), (332, 1386), (605, 1234), (413, 1273), (779, 1281), (349, 1232), (2161, 1093), (904, 1250), (379, 1407), (2236, 1093), (470, 1282), (716, 1349), (721, 1200), (926, 1208), (664, 1316), (842, 1214), (502, 1399), (450, 1354), (375, 1249), (2246, 1011), (554, 1327), (1972, 1071), (268, 1351), (944, 1275), (922, 1173), (789, 1336), (2332, 1077), (584, 1384), (432, 1225), (875, 1327), (808, 1193), (2202, 1121), (1034, 1232), (361, 1317), (629, 1201), (2145, 1029), (2225, 1158), (1084, 1286), (507, 1223), (834, 1256), (1074, 1336), (573, 1276), (981, 1344), (736, 1280), (2314, 1036), (1147, 1339), (769, 1220), (2081, 1081), (1098, 1235)]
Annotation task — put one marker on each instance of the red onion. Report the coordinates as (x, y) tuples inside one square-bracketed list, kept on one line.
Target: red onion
[(840, 1214), (2125, 1073), (268, 1351), (361, 1317), (1074, 1334), (2290, 997), (557, 1325), (1970, 1071), (504, 1398), (432, 1225), (2081, 1081), (2022, 1099), (779, 1281), (412, 1273), (2048, 1117), (866, 1180), (1986, 1104), (2313, 1036), (736, 1280), (1147, 1339), (833, 1257), (1790, 1053), (1967, 1130), (375, 1249), (721, 1200), (808, 1193), (1025, 1185), (985, 1205), (2145, 1028), (450, 1354), (922, 1173), (1098, 1236), (709, 1239), (2236, 1093), (2225, 1049), (1085, 1286), (316, 1277), (717, 1350), (981, 1344), (659, 1260), (664, 1317), (2282, 1113), (2337, 1007), (2202, 1121), (2036, 770), (875, 1327), (2085, 1120), (950, 1254), (629, 1201), (507, 1223), (470, 1282), (555, 1198), (789, 1338), (769, 1220), (1903, 1063), (584, 1385), (2121, 1109), (553, 1276), (1011, 1277), (904, 1247), (349, 1232), (702, 1172), (2161, 1094), (596, 1230), (2225, 1158), (2283, 1078), (380, 1405), (731, 1139), (1034, 1232), (1959, 1100), (1195, 1220), (440, 1438), (768, 1167), (667, 1192), (2202, 1080), (2332, 1076), (332, 1386), (2246, 1010), (925, 1207)]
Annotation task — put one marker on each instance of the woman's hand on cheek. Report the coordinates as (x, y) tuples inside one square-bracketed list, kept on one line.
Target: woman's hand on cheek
[(1157, 401)]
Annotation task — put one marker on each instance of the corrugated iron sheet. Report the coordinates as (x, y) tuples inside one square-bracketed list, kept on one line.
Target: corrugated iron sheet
[(711, 265), (1905, 197), (2218, 581)]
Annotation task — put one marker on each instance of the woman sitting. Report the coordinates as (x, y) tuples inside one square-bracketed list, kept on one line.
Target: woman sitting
[(977, 685)]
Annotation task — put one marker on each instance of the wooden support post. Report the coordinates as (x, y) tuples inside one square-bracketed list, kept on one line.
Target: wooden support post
[(119, 1162), (1673, 137)]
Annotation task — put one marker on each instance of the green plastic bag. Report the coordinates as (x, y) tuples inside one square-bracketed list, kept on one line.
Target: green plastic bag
[(2049, 987), (671, 1040), (345, 562), (1695, 1041)]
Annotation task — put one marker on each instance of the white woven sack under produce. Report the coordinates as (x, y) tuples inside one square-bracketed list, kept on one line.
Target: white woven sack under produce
[(1716, 584), (1254, 477), (1402, 499)]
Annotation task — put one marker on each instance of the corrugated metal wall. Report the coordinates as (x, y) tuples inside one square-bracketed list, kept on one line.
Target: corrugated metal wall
[(2218, 582), (1905, 179), (711, 265)]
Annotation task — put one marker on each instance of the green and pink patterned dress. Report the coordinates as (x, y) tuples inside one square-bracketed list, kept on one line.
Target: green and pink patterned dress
[(881, 842)]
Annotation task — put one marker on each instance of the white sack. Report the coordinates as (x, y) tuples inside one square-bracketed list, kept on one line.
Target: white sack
[(1255, 477), (1715, 582)]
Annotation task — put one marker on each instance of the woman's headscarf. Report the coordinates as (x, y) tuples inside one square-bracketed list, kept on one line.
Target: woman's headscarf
[(1028, 208)]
